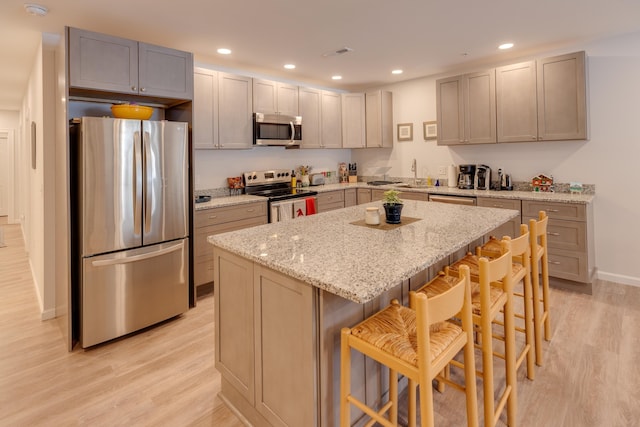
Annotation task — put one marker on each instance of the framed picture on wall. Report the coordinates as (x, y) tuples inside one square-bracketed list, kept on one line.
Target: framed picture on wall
[(405, 131), (430, 130)]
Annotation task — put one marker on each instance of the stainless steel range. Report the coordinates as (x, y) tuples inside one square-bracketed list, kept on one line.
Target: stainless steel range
[(285, 201)]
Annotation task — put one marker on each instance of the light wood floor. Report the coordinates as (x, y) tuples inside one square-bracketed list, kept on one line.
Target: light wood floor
[(165, 376)]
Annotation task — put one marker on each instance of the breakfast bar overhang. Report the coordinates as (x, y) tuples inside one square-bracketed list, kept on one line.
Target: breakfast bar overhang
[(284, 290)]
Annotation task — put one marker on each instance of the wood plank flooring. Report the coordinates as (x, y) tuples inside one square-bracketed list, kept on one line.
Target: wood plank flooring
[(165, 376)]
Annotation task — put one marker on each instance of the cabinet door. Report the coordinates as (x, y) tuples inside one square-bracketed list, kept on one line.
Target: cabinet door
[(102, 62), (205, 109), (363, 195), (331, 122), (378, 119), (562, 108), (480, 107), (350, 197), (516, 103), (353, 120), (287, 99), (265, 96), (309, 107), (450, 110), (235, 127), (165, 72)]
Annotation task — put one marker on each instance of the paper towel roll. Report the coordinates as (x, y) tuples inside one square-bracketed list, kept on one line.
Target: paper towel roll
[(452, 176)]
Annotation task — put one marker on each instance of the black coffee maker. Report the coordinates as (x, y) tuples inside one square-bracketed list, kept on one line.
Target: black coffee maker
[(483, 177), (466, 176)]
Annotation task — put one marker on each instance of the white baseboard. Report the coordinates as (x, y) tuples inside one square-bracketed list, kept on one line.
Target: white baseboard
[(618, 278)]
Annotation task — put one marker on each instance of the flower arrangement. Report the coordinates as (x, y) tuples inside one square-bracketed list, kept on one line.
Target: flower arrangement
[(303, 170)]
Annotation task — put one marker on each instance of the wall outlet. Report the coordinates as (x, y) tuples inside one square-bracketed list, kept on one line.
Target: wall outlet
[(442, 170)]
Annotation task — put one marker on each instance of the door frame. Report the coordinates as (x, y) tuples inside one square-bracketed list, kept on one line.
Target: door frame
[(8, 134)]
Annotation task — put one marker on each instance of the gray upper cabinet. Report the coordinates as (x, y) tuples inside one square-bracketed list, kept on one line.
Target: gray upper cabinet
[(379, 119), (270, 97), (562, 104), (221, 111), (353, 120), (310, 110), (543, 100), (99, 62), (466, 109), (516, 102), (331, 124)]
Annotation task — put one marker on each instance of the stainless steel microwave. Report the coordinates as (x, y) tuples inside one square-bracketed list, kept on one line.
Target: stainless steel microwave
[(277, 129)]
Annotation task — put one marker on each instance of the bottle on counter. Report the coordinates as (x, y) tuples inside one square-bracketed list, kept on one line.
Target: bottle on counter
[(293, 179)]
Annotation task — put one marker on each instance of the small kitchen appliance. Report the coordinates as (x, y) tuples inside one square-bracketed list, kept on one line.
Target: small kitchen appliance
[(504, 181), (277, 129), (284, 201), (483, 177), (466, 176)]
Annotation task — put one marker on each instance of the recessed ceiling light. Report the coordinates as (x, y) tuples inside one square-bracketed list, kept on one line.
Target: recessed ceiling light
[(289, 66), (35, 9), (505, 46), (224, 51), (336, 77), (396, 72)]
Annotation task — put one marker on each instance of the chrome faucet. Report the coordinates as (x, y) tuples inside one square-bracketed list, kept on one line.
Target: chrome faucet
[(414, 169)]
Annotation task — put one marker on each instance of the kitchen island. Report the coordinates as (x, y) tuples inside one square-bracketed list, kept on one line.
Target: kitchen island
[(284, 290)]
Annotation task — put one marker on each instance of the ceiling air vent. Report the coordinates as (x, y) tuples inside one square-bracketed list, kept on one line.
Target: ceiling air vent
[(340, 51)]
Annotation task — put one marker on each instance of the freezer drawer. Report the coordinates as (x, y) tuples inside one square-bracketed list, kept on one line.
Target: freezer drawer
[(126, 291)]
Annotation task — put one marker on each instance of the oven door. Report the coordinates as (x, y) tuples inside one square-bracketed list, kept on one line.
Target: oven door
[(277, 129)]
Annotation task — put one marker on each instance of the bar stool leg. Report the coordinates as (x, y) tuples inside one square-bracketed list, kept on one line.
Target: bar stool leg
[(345, 379), (537, 315), (412, 408), (510, 360), (545, 295)]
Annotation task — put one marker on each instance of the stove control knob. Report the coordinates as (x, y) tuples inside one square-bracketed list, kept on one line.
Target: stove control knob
[(286, 174), (279, 175)]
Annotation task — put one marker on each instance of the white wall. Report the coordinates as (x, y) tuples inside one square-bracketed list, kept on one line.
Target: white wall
[(9, 119), (609, 159)]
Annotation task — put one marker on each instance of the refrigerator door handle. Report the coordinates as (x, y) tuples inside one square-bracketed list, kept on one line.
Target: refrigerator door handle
[(148, 193), (137, 183), (135, 258)]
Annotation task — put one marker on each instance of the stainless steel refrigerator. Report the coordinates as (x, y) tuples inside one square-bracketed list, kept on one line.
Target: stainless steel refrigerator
[(133, 226)]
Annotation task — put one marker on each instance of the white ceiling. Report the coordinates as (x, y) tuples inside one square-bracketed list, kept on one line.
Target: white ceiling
[(422, 37)]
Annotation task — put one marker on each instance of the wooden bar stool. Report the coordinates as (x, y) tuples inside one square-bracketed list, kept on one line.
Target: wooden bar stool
[(521, 270), (540, 267), (417, 344), (492, 294)]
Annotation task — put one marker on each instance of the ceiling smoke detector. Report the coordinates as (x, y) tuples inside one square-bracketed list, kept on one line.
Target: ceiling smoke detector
[(36, 9), (340, 51)]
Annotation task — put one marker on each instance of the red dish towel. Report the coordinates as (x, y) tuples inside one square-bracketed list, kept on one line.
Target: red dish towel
[(311, 205)]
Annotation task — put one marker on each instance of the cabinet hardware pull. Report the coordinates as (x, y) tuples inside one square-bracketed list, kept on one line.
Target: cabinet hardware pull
[(213, 216), (554, 262), (553, 234), (553, 210), (250, 210), (142, 89), (134, 88)]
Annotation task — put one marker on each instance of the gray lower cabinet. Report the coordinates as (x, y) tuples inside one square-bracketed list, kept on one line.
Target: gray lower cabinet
[(363, 195), (330, 200), (99, 62), (220, 220), (569, 238), (350, 197), (511, 228)]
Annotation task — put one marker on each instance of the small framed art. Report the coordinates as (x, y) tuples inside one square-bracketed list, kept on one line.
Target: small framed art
[(405, 131), (430, 130)]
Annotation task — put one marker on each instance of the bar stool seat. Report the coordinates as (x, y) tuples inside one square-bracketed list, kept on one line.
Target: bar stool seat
[(417, 344)]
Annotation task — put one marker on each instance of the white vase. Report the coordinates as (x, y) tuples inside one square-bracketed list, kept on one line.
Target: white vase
[(305, 180)]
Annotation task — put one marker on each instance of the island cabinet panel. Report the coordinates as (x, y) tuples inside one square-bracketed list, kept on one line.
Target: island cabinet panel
[(285, 350), (234, 320)]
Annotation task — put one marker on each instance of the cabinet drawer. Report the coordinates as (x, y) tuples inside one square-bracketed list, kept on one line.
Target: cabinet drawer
[(230, 213), (331, 197), (489, 202), (202, 246), (410, 195), (568, 265), (568, 211), (566, 235)]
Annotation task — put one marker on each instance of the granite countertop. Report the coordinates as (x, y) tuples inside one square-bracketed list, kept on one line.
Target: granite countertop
[(361, 262), (217, 202)]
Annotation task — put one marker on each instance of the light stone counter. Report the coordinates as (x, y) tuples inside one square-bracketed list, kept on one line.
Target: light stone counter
[(217, 202), (359, 262)]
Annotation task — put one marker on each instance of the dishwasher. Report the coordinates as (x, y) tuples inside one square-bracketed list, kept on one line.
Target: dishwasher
[(456, 200)]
